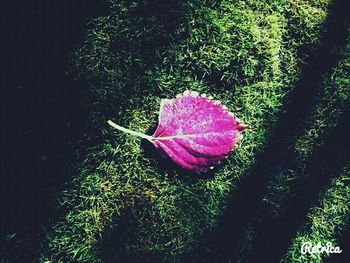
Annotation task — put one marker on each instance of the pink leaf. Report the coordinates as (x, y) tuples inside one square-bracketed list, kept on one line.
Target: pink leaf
[(194, 131)]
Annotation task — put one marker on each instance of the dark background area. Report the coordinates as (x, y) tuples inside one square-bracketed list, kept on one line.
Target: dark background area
[(40, 106)]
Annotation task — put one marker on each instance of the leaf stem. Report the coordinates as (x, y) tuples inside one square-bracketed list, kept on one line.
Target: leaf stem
[(139, 134)]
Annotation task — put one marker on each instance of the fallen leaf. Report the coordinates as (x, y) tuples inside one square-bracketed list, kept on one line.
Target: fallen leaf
[(194, 131)]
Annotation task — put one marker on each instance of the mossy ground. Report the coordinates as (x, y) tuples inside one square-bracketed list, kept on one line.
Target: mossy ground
[(126, 203)]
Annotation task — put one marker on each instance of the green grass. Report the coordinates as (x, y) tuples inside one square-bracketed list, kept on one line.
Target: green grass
[(331, 103), (325, 221), (244, 53), (310, 150)]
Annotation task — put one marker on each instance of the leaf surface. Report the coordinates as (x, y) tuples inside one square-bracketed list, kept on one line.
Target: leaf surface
[(194, 131)]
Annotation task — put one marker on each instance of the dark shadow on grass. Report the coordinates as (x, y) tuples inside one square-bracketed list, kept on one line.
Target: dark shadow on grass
[(40, 113), (118, 240), (344, 241), (275, 232), (277, 157), (114, 244)]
